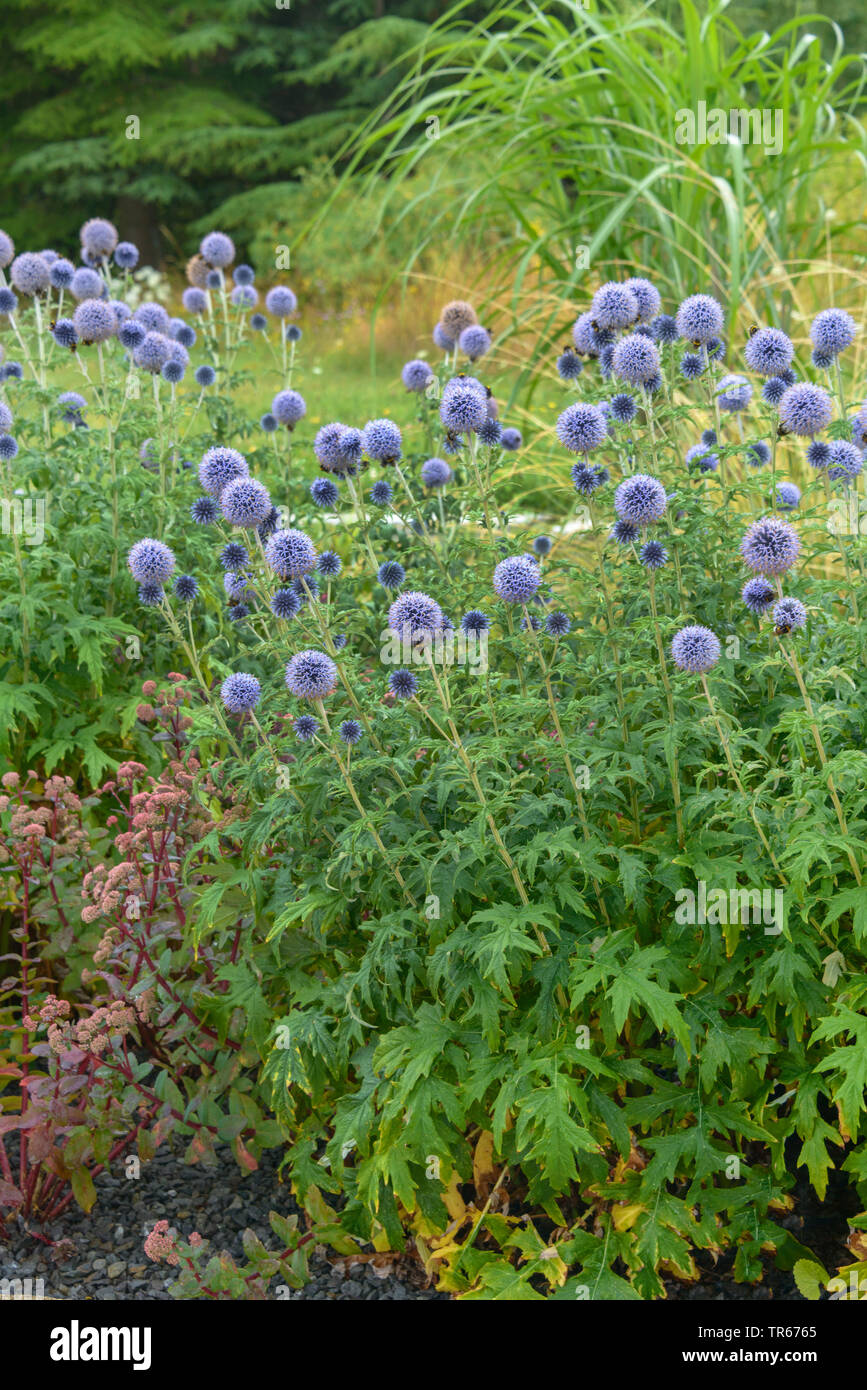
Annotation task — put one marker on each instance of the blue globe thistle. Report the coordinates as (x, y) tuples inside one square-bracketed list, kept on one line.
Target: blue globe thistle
[(664, 329), (416, 374), (647, 295), (654, 384), (704, 460), (758, 594), (61, 273), (818, 453), (403, 684), (789, 376), (194, 300), (789, 613), (8, 300), (150, 594), (245, 502), (769, 351), (623, 407), (511, 439), (557, 624), (588, 479), (186, 588), (640, 499), (381, 494), (151, 561), (238, 611), (243, 275), (542, 545), (415, 616), (653, 555), (7, 249), (121, 311), (306, 587), (281, 302), (606, 361), (258, 323), (86, 284), (475, 621), (582, 427), (534, 623), (29, 273), (391, 574), (733, 392), (490, 433), (217, 249), (153, 352), (822, 360), (350, 447), (326, 446), (219, 467), (758, 454), (240, 692), (832, 331), (452, 444), (350, 731), (290, 553), (291, 332), (517, 578), (8, 447), (94, 321), (635, 359), (99, 237), (324, 492), (269, 422), (267, 527), (569, 365), (306, 728), (463, 407), (185, 335), (131, 334), (153, 317), (11, 371), (329, 564), (233, 556), (173, 371), (311, 675), (435, 473), (614, 306), (5, 416), (64, 334), (770, 546), (205, 376), (695, 649), (126, 255), (204, 510), (708, 438), (805, 408), (382, 440), (589, 338), (624, 532), (474, 341), (773, 390), (289, 407), (244, 297), (339, 642), (235, 585), (716, 349), (214, 280), (691, 366), (442, 338), (788, 495), (845, 461), (700, 319), (285, 603)]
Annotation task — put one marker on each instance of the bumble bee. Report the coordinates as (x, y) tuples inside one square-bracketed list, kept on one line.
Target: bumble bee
[(696, 342), (594, 325), (781, 431), (452, 437), (753, 330), (782, 629)]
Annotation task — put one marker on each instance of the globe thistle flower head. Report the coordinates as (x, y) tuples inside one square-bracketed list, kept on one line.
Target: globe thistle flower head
[(569, 365), (281, 302), (306, 728), (773, 390), (151, 560), (391, 574), (517, 578), (490, 433), (243, 275), (416, 374), (758, 594), (695, 649), (589, 337), (463, 406), (647, 296), (635, 359), (8, 447), (7, 250), (234, 556), (475, 341), (64, 334), (587, 479), (326, 446), (442, 339), (237, 611), (557, 624), (194, 300), (245, 502), (204, 510), (8, 300), (623, 407), (805, 409), (99, 237), (382, 440), (845, 461), (770, 546), (269, 422), (769, 351), (350, 732), (235, 584), (640, 499), (758, 454), (267, 527), (324, 492), (832, 331), (258, 323), (822, 360), (788, 495), (511, 439), (708, 438), (61, 273), (306, 586), (435, 473), (244, 297), (11, 370), (582, 427), (664, 329), (381, 494), (217, 249), (818, 453), (290, 553), (542, 545), (205, 375), (186, 588), (131, 334), (285, 603), (153, 317), (150, 593), (789, 614), (349, 449), (456, 316), (606, 361), (173, 371), (403, 684), (126, 255), (289, 407), (29, 273), (475, 621), (311, 675), (218, 468), (653, 555), (153, 351), (691, 366), (733, 392), (534, 623), (699, 319), (122, 311), (291, 332), (184, 334), (702, 458), (614, 306), (415, 616), (240, 692), (329, 564)]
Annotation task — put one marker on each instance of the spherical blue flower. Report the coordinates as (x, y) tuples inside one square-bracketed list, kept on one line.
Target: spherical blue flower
[(773, 390), (542, 545), (403, 684), (382, 440), (235, 584), (324, 492), (647, 295), (708, 438), (285, 603), (557, 624), (699, 319), (490, 433), (653, 555), (691, 366), (290, 553), (87, 284), (326, 446), (635, 358), (154, 351), (589, 338), (306, 728), (64, 333), (240, 692), (61, 273), (205, 375), (511, 439), (269, 422), (121, 311), (311, 675), (186, 588), (463, 407), (474, 341), (517, 578), (243, 275), (769, 352), (131, 334), (789, 613), (194, 300), (805, 408), (818, 453), (234, 556), (244, 297), (8, 300), (391, 574), (475, 621), (151, 560), (204, 510), (664, 329), (716, 350), (217, 249), (258, 323), (267, 527), (153, 317), (7, 249), (245, 502), (758, 594), (587, 479), (291, 332), (350, 731), (281, 302), (29, 273), (733, 392), (99, 237), (758, 454), (349, 448), (845, 461), (623, 407), (150, 594), (770, 546), (704, 460), (788, 495), (695, 649), (11, 370), (126, 255), (8, 447), (238, 611), (416, 374), (606, 361), (186, 336), (435, 473), (415, 616), (172, 371), (569, 365), (582, 427), (624, 532), (289, 407), (218, 468), (381, 493), (306, 586), (614, 306), (832, 330), (640, 499), (534, 623), (442, 338), (329, 564)]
